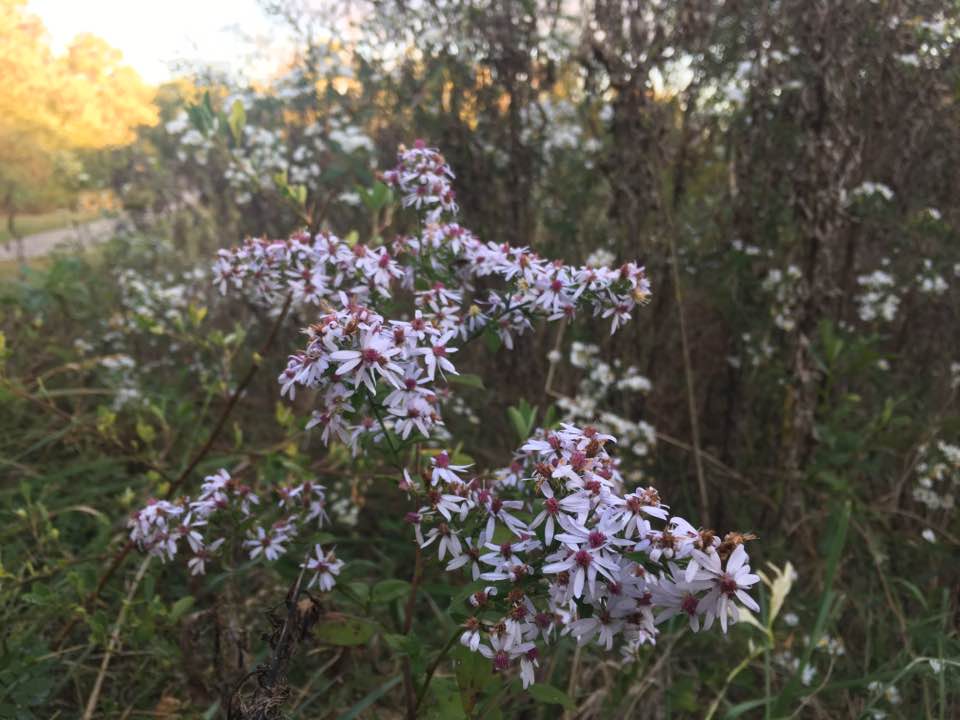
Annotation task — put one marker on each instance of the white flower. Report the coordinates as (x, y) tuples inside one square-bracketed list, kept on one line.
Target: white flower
[(435, 356), (270, 545), (728, 583), (374, 357), (326, 566), (444, 470), (449, 542)]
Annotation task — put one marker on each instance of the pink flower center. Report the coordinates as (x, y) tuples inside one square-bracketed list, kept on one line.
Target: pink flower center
[(596, 539), (728, 586), (689, 605), (578, 460), (583, 558), (501, 661), (371, 356)]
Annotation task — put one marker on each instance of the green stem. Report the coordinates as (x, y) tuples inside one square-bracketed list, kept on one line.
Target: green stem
[(433, 668)]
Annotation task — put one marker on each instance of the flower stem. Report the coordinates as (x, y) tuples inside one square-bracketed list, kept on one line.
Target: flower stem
[(408, 688), (433, 669)]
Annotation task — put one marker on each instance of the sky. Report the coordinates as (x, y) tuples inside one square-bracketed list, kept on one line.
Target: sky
[(153, 36)]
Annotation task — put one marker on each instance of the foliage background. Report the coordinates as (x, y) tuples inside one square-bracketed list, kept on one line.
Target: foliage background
[(764, 160)]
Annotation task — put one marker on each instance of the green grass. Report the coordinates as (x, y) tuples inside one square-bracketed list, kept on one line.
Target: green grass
[(41, 222)]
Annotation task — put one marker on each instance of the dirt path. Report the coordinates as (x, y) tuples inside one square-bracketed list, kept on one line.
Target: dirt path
[(79, 236)]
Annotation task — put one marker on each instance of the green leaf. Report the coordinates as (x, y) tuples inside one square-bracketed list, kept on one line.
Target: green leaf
[(299, 194), (740, 708), (149, 587), (387, 591), (360, 589), (236, 121), (145, 431), (474, 673), (474, 381), (550, 695), (518, 422), (446, 697), (376, 198), (180, 608), (382, 195), (345, 630), (404, 644)]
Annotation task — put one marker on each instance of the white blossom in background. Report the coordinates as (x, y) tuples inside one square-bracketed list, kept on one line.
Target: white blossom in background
[(937, 475), (929, 281), (877, 301), (868, 188), (600, 257), (785, 287), (595, 395)]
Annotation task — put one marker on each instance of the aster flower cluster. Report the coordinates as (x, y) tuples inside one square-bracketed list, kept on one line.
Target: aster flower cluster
[(553, 543), (325, 269), (424, 178), (350, 353), (163, 528), (354, 352), (557, 548)]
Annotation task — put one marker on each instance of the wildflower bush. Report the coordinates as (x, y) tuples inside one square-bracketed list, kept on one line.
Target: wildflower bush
[(597, 570), (337, 427)]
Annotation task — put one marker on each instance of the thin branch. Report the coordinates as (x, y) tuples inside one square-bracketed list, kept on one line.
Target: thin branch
[(433, 669), (114, 640)]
